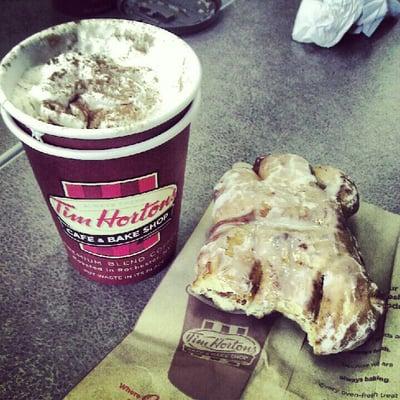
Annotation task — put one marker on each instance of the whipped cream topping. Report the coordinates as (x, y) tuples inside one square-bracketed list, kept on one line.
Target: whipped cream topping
[(107, 74), (87, 91), (279, 244)]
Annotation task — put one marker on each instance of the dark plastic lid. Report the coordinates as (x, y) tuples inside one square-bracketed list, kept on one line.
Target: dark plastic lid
[(178, 16)]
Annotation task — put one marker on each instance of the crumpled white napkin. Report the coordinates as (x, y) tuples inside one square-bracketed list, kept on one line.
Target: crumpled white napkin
[(324, 22), (373, 13)]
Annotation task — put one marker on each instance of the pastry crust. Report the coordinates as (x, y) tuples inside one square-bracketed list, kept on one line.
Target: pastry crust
[(280, 242)]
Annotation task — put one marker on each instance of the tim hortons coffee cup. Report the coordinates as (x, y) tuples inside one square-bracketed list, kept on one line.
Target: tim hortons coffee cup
[(117, 210), (107, 141)]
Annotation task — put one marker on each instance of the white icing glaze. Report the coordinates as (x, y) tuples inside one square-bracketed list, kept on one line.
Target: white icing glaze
[(283, 220), (337, 186)]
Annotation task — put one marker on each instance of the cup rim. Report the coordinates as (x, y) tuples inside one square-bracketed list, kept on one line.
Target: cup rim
[(41, 127), (108, 154)]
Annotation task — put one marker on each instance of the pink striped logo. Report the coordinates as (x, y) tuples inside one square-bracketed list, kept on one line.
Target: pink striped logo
[(111, 190)]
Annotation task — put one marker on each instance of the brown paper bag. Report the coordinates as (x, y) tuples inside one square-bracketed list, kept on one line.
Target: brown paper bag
[(182, 348)]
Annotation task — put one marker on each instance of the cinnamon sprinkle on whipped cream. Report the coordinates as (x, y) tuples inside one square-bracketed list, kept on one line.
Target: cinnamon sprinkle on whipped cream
[(87, 91)]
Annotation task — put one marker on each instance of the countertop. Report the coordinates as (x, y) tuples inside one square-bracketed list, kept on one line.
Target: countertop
[(261, 93)]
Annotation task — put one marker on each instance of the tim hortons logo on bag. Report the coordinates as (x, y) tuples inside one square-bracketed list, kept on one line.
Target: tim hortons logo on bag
[(221, 342), (115, 219)]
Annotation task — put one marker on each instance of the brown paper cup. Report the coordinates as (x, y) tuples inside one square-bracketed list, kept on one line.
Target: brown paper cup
[(117, 210)]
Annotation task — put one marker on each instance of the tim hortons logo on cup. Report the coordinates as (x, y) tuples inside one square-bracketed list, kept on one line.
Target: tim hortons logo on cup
[(221, 342), (115, 219)]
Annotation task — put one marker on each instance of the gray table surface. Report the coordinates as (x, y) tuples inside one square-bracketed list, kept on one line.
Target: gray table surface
[(262, 93)]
